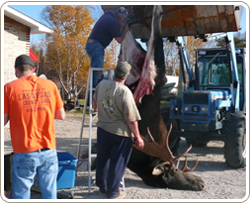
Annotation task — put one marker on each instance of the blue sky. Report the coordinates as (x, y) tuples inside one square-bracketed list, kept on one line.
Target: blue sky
[(34, 11)]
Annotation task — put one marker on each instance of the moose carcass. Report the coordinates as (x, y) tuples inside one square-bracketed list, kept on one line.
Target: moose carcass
[(155, 163)]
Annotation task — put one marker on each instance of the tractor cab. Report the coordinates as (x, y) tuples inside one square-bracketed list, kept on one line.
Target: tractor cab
[(214, 73)]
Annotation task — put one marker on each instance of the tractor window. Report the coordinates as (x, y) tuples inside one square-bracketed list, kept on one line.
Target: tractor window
[(214, 71), (240, 71)]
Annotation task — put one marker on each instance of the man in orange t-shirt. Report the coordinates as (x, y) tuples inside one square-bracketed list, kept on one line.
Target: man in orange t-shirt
[(31, 104)]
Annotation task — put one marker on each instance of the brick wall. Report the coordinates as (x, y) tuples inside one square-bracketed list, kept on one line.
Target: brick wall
[(16, 42)]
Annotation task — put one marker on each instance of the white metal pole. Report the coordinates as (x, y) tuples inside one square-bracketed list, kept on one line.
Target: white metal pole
[(83, 119), (90, 125)]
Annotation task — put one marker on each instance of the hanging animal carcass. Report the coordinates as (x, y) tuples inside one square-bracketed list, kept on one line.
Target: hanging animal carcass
[(155, 164)]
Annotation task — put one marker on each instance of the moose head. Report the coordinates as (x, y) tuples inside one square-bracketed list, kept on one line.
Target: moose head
[(174, 177)]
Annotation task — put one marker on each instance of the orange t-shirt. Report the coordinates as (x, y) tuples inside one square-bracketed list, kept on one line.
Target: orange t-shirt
[(31, 103)]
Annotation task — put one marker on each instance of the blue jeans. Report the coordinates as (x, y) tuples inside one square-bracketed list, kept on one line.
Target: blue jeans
[(113, 153), (25, 166), (96, 53)]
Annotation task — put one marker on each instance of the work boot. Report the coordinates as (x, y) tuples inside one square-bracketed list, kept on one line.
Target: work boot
[(121, 196)]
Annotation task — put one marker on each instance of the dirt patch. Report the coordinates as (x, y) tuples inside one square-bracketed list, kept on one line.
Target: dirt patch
[(221, 181)]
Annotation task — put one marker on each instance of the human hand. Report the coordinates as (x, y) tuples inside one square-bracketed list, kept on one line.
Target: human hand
[(139, 143), (126, 28)]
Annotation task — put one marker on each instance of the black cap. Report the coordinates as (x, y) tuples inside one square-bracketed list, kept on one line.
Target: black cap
[(24, 59)]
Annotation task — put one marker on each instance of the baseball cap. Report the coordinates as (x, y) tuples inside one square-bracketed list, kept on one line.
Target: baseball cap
[(24, 59), (122, 70), (121, 12)]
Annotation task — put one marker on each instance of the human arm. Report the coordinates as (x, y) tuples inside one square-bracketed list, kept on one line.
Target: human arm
[(120, 39), (94, 105), (133, 126), (59, 105), (60, 114), (6, 104), (6, 119)]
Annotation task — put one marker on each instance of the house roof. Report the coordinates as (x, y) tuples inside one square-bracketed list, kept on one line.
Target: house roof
[(35, 26)]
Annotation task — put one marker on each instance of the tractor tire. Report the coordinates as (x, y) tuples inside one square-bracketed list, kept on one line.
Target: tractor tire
[(235, 140), (173, 141)]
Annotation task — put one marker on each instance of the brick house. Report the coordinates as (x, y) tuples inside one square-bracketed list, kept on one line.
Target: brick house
[(17, 30)]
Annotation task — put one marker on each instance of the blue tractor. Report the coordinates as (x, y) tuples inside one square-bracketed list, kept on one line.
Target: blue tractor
[(213, 104)]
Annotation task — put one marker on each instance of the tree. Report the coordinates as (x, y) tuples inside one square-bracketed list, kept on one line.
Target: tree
[(38, 49), (239, 40), (111, 55), (192, 45), (66, 53), (172, 58)]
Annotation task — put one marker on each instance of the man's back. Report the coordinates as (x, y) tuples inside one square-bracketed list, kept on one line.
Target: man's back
[(31, 103), (115, 107), (105, 29)]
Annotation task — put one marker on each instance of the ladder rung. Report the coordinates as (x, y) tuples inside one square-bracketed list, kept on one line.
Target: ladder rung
[(93, 112), (88, 108), (88, 143), (88, 125), (86, 159)]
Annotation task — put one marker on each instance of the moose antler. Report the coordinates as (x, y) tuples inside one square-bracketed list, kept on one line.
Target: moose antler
[(154, 149), (185, 168)]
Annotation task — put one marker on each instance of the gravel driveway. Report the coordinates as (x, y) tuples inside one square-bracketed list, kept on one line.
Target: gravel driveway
[(221, 182)]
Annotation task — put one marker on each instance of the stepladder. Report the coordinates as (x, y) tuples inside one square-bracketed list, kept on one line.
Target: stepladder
[(90, 124)]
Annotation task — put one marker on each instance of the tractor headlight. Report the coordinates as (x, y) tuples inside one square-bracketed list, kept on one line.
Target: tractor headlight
[(175, 109), (186, 108), (204, 109)]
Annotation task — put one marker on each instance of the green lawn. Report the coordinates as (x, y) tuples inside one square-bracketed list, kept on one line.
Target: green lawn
[(165, 104)]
